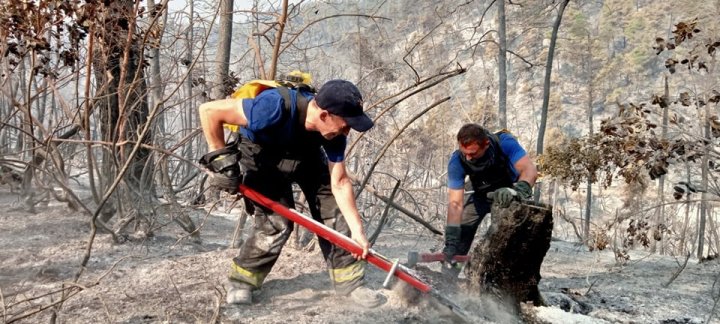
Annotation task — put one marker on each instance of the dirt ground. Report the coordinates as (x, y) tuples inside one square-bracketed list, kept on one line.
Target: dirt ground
[(172, 278)]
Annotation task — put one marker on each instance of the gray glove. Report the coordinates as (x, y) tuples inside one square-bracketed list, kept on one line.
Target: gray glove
[(504, 196)]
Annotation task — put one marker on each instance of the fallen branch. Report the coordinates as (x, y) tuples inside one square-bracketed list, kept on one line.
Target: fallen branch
[(44, 307), (677, 272)]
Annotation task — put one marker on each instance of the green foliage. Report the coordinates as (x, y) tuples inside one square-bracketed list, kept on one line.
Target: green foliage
[(635, 27), (640, 57), (579, 25)]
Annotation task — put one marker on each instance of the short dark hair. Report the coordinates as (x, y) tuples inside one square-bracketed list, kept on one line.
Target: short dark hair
[(471, 133)]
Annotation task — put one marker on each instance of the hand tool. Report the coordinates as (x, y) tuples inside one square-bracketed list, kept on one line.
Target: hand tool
[(415, 257), (373, 257)]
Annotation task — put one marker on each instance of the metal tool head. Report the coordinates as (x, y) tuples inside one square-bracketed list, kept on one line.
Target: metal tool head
[(412, 259)]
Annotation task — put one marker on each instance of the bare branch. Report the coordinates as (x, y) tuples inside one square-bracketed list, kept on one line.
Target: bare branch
[(383, 218), (391, 140)]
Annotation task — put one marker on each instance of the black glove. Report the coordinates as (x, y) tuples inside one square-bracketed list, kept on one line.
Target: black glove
[(452, 242), (523, 189), (225, 168), (504, 196)]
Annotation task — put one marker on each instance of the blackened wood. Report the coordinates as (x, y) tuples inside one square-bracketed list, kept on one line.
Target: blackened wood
[(506, 263)]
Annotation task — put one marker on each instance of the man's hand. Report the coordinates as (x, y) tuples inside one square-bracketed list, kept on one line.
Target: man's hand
[(452, 242), (364, 244)]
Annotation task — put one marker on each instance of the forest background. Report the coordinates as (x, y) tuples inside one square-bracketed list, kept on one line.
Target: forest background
[(616, 100)]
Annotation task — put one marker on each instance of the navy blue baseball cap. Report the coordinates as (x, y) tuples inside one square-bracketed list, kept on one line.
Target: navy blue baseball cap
[(342, 98)]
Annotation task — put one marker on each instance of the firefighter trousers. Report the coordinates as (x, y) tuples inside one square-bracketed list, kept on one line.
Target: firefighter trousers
[(272, 173)]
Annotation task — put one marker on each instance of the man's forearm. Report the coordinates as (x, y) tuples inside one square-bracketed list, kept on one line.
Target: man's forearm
[(212, 129), (455, 206), (529, 175), (346, 203), (213, 114), (454, 215)]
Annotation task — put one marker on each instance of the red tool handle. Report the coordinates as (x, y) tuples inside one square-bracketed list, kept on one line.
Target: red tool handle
[(433, 257), (333, 236)]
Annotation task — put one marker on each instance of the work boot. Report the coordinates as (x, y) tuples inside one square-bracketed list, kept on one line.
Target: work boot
[(239, 293), (366, 297)]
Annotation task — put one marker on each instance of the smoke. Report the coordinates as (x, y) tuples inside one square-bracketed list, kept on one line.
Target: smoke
[(477, 309)]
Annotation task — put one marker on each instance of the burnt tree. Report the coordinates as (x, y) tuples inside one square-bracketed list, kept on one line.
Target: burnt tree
[(121, 101), (506, 263)]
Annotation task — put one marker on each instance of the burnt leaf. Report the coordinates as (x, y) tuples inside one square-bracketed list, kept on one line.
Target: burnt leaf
[(715, 98), (659, 45), (701, 66), (685, 99), (712, 47)]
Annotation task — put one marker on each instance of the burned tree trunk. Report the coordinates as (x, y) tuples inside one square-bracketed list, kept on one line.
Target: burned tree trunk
[(506, 264)]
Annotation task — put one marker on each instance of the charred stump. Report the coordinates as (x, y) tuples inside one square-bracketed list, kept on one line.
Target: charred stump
[(506, 263)]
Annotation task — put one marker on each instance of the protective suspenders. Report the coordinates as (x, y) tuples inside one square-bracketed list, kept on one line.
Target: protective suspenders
[(300, 100)]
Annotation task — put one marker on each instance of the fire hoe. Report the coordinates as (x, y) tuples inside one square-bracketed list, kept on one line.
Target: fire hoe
[(393, 268)]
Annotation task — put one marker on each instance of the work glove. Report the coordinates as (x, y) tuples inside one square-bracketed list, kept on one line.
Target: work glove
[(523, 189), (504, 196), (223, 164), (452, 242), (450, 268)]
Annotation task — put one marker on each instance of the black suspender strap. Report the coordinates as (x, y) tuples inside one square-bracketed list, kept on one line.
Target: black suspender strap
[(301, 102)]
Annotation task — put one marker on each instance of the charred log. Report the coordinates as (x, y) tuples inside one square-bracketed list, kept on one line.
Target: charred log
[(506, 263)]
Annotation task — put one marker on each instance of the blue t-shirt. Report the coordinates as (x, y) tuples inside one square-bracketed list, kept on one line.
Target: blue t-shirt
[(269, 124), (509, 146)]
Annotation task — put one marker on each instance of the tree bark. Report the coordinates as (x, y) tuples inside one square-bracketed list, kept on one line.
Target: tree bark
[(546, 88), (502, 66), (282, 20), (189, 102), (222, 59), (704, 184), (506, 264), (591, 97), (122, 101), (660, 214)]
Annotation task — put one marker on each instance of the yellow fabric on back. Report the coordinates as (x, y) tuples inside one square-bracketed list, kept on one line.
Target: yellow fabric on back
[(253, 88), (250, 90), (504, 130)]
